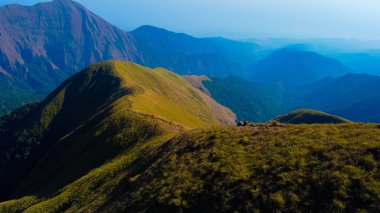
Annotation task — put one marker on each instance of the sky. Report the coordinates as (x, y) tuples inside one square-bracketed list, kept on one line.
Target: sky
[(241, 19)]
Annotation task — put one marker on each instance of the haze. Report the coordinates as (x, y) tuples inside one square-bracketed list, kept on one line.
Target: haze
[(244, 18)]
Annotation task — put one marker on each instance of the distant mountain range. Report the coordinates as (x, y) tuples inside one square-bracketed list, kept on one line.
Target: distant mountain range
[(42, 45), (188, 55)]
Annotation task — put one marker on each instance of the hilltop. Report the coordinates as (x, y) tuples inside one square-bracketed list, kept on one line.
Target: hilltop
[(98, 111), (305, 116)]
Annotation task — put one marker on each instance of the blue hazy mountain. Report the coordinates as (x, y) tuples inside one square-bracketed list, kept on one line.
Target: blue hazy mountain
[(353, 96), (291, 68), (362, 62)]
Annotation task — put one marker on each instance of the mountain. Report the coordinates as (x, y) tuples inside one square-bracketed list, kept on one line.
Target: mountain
[(289, 68), (188, 55), (94, 115), (310, 117), (249, 100), (42, 45), (353, 96)]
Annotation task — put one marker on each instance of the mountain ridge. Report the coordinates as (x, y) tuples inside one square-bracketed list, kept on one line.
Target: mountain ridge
[(111, 93)]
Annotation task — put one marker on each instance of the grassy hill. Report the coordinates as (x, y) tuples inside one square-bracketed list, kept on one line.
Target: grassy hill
[(305, 116), (263, 167), (106, 103)]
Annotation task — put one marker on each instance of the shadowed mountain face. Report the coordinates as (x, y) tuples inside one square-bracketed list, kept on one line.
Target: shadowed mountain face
[(288, 68), (44, 44), (95, 105)]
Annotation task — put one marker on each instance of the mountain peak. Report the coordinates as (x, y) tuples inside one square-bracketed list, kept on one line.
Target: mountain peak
[(53, 40)]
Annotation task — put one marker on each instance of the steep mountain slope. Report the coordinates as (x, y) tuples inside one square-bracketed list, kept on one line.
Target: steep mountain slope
[(355, 93), (291, 68), (249, 100), (186, 55), (44, 44), (93, 115), (289, 168), (310, 117)]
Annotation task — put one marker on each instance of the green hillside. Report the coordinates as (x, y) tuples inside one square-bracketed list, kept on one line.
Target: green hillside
[(328, 168), (305, 116), (101, 109)]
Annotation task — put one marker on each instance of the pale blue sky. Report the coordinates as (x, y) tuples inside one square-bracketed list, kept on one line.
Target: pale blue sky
[(244, 18)]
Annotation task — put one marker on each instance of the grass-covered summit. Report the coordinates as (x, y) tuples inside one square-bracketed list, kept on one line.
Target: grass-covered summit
[(307, 116)]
